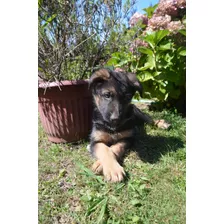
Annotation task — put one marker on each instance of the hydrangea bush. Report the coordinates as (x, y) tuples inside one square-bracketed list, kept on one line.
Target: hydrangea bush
[(156, 52)]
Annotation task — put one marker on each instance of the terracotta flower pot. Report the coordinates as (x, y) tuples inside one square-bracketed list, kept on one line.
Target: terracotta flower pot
[(65, 113)]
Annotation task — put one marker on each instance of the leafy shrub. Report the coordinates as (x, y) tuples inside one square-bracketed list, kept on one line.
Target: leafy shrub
[(76, 37), (157, 54)]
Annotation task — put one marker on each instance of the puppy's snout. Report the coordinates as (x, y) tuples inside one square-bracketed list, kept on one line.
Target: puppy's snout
[(115, 116)]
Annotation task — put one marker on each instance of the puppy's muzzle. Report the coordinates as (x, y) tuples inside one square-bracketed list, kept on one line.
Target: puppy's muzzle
[(115, 117)]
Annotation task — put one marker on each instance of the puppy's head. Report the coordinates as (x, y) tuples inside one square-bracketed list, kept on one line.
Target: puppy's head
[(112, 93)]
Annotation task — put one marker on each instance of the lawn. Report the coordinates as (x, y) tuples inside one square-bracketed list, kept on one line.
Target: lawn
[(154, 191)]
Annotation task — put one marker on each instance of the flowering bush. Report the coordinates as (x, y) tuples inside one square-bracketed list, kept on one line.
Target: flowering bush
[(168, 15), (136, 18), (157, 54)]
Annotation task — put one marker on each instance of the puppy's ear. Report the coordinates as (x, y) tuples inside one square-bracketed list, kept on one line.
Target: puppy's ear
[(132, 77), (99, 76)]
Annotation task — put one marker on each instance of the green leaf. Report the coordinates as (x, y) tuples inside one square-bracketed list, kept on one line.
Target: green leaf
[(144, 76), (116, 54), (148, 65), (150, 10), (165, 60), (145, 50), (119, 186), (162, 90), (135, 219), (182, 32), (112, 61), (166, 96), (161, 34), (142, 60), (153, 38), (94, 206), (182, 52), (122, 63), (150, 39), (49, 20), (164, 47), (90, 173), (102, 211), (162, 83)]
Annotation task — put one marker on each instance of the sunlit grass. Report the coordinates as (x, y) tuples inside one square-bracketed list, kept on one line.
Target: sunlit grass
[(154, 192)]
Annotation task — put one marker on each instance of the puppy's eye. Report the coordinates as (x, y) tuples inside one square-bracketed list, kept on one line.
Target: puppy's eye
[(107, 95)]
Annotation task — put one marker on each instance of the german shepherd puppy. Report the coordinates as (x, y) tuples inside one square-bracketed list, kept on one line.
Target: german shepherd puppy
[(114, 120)]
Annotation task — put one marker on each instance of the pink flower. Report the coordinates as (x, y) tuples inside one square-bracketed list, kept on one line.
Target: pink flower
[(131, 49), (167, 7), (175, 26), (138, 17), (158, 22)]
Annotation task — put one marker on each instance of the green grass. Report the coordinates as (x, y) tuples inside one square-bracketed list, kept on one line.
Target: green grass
[(154, 191)]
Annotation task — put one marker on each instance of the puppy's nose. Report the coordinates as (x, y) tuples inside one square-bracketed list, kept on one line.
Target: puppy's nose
[(114, 118)]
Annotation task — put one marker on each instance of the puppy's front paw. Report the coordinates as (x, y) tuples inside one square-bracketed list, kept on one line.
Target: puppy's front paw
[(162, 124), (97, 167), (113, 172)]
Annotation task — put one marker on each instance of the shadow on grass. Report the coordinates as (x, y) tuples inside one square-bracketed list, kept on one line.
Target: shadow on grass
[(151, 148)]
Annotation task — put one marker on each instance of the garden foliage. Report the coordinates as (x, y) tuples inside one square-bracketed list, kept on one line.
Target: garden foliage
[(76, 37), (157, 53)]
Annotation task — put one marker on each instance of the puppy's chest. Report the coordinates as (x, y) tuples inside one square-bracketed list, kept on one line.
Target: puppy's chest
[(111, 138)]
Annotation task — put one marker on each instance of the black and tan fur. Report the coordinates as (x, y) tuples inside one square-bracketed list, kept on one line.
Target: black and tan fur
[(114, 120)]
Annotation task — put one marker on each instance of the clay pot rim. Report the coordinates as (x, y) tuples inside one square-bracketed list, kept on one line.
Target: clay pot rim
[(45, 84)]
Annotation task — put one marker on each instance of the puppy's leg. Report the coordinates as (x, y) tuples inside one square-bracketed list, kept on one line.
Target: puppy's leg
[(118, 149), (111, 168), (149, 120), (161, 124)]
